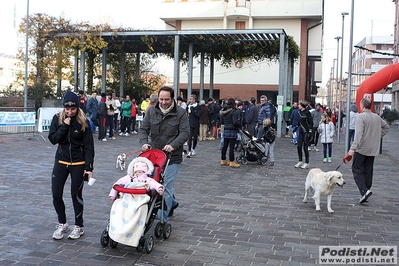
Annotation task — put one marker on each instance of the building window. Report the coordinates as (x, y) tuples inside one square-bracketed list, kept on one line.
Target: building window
[(240, 3), (240, 25)]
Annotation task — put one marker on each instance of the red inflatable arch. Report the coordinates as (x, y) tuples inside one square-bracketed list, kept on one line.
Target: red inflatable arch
[(376, 82)]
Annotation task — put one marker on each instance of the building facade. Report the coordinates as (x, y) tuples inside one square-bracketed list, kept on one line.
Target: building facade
[(301, 19), (365, 62)]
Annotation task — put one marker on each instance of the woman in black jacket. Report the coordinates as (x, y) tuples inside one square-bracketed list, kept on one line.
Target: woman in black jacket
[(231, 118), (305, 134), (74, 156)]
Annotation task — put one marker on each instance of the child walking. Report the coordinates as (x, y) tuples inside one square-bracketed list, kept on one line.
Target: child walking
[(269, 137), (327, 132)]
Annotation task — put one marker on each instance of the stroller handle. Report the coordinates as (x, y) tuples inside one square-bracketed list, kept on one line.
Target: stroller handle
[(130, 190)]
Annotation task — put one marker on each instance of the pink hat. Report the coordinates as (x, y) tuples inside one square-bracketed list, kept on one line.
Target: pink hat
[(140, 166)]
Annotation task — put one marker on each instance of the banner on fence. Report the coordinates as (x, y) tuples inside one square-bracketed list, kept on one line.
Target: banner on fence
[(45, 116), (17, 119)]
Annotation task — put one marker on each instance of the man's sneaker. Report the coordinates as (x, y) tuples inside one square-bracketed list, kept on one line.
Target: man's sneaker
[(173, 209), (329, 159), (134, 132), (193, 153), (189, 154), (104, 139), (121, 134), (126, 134), (76, 233), (365, 197), (298, 164), (315, 148), (309, 149), (324, 160), (304, 166), (113, 137), (61, 229)]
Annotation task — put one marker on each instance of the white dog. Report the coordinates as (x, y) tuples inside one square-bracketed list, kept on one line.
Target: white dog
[(120, 161), (322, 184)]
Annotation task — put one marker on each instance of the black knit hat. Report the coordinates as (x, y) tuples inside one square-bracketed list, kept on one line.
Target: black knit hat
[(70, 100)]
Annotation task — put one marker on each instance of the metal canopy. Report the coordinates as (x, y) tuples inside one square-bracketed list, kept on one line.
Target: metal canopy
[(203, 40)]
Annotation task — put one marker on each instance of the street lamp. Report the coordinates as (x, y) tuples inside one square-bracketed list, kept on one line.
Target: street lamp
[(349, 86), (336, 80), (340, 76)]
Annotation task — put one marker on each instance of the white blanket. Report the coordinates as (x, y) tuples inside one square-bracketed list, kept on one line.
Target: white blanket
[(127, 218)]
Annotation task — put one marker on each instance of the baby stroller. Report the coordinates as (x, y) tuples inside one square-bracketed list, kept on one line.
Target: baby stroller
[(251, 149), (150, 202)]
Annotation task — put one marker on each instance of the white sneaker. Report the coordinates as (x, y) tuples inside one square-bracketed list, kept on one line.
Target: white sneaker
[(121, 134), (304, 166), (193, 153), (299, 164), (61, 229), (189, 154), (126, 134), (76, 233), (134, 132), (104, 139), (315, 148)]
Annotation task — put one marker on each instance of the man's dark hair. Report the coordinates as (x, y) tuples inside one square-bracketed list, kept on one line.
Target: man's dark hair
[(169, 89), (253, 100), (366, 103)]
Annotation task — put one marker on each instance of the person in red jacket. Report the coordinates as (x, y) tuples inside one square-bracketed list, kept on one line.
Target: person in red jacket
[(134, 114)]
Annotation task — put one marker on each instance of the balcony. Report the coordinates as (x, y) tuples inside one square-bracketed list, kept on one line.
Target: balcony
[(237, 12)]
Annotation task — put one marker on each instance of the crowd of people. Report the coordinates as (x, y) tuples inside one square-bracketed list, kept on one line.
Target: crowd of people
[(169, 124)]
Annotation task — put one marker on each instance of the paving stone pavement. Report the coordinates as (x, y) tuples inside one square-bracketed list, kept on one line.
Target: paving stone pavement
[(253, 215)]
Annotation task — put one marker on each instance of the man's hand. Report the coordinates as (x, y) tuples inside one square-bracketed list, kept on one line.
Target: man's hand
[(168, 148), (146, 147)]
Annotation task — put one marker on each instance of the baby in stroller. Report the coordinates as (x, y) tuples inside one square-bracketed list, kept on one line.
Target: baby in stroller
[(138, 172)]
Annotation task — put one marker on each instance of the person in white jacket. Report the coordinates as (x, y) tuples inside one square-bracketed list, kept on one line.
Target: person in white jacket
[(327, 132)]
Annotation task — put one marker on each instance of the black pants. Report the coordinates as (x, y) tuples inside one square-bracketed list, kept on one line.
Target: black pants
[(192, 138), (226, 144), (58, 179), (362, 169), (315, 136), (102, 128), (125, 124), (302, 144)]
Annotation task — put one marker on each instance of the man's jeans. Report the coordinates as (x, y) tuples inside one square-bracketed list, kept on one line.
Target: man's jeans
[(92, 126), (170, 176)]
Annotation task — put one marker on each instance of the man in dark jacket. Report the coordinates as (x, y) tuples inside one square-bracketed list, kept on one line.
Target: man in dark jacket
[(168, 127), (252, 117), (92, 107)]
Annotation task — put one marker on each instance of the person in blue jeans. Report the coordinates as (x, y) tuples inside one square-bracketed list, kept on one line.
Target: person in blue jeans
[(165, 127), (92, 108)]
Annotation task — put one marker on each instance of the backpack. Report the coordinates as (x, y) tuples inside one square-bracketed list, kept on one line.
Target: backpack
[(237, 117)]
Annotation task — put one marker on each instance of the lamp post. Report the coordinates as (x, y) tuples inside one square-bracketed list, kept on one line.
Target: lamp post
[(336, 80), (26, 57), (340, 75), (349, 86)]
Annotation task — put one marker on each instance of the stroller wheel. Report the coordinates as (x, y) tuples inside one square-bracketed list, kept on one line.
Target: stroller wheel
[(112, 243), (263, 160), (244, 161), (140, 247), (167, 230), (158, 230), (149, 244), (104, 239)]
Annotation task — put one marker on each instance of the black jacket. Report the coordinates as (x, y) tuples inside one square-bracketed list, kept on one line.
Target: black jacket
[(226, 117), (74, 145)]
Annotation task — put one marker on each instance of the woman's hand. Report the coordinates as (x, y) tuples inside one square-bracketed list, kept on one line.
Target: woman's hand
[(67, 121)]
